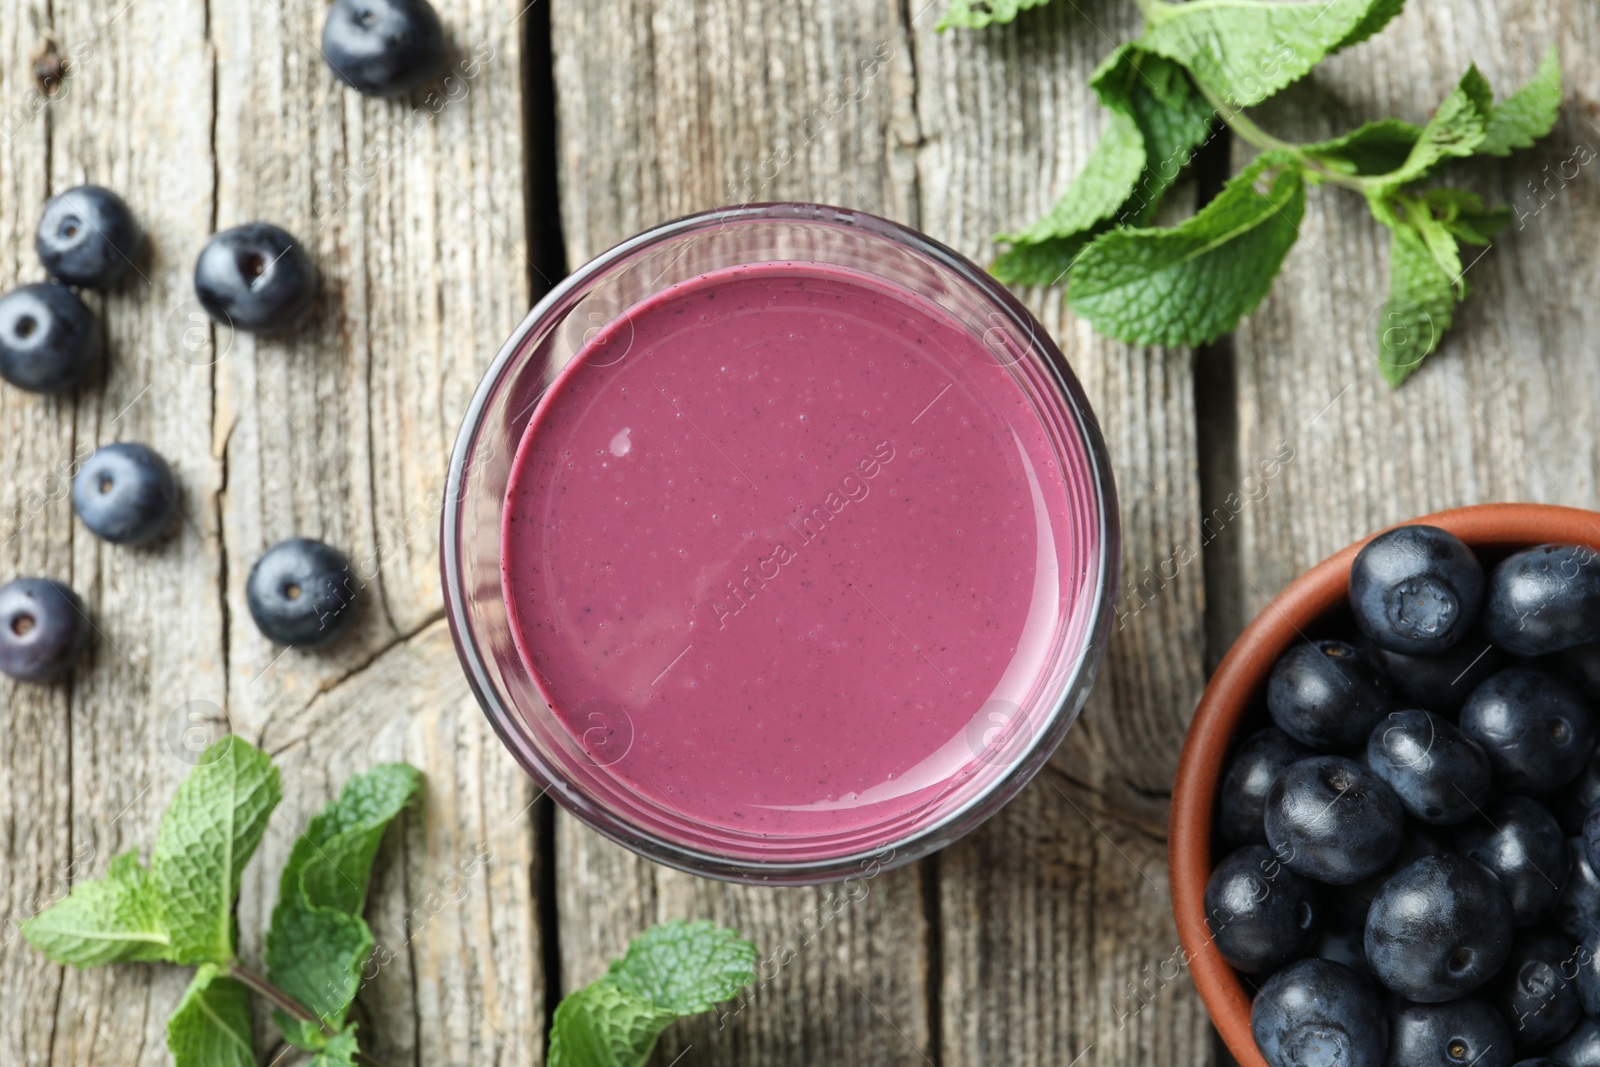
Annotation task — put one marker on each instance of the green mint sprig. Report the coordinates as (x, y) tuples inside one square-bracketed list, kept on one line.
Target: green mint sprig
[(180, 909), (1196, 68), (670, 971)]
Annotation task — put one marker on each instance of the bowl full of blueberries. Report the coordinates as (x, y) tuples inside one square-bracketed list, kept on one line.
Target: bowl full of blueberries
[(1386, 820)]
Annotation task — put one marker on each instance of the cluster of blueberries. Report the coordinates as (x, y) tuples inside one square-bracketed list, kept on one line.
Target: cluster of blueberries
[(255, 278), (1404, 889)]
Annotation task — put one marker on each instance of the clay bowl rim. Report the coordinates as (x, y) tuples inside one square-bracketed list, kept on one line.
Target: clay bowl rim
[(1230, 694)]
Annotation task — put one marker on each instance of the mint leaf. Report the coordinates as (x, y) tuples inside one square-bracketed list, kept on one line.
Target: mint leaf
[(603, 1026), (331, 863), (206, 837), (1422, 300), (1465, 215), (1157, 118), (318, 941), (1376, 18), (1246, 50), (685, 968), (1527, 114), (316, 955), (115, 919), (341, 1051), (211, 1026), (1457, 128), (670, 970), (976, 14), (1190, 283), (1373, 149)]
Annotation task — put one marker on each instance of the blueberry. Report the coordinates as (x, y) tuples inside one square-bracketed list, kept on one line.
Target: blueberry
[(1331, 819), (1536, 991), (1591, 837), (1260, 913), (1442, 682), (1581, 666), (125, 494), (1537, 730), (1439, 929), (1573, 802), (1587, 964), (1416, 589), (255, 277), (1465, 1032), (43, 629), (1544, 599), (1260, 759), (1581, 1048), (300, 592), (1327, 694), (1577, 910), (49, 339), (1352, 902), (1440, 775), (383, 47), (1315, 1013), (1520, 843), (88, 237), (1342, 943), (1538, 1061)]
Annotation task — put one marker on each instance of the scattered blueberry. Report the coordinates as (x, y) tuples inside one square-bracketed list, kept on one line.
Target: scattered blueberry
[(1537, 730), (1416, 589), (1261, 758), (1442, 682), (300, 592), (1520, 843), (43, 629), (1327, 694), (88, 237), (1333, 820), (125, 494), (383, 47), (1581, 1048), (255, 277), (1261, 914), (1536, 991), (1462, 1032), (1591, 837), (1577, 910), (1440, 775), (49, 339), (1315, 1013), (1544, 599), (1439, 929)]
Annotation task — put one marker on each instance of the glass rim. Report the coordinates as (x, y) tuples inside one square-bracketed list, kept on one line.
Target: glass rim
[(924, 840)]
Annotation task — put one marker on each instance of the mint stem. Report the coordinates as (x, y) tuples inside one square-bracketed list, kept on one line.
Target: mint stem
[(285, 1003), (1236, 120)]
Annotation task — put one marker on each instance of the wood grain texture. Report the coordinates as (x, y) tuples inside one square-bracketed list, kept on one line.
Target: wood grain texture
[(1504, 410), (1057, 936), (206, 115), (673, 106)]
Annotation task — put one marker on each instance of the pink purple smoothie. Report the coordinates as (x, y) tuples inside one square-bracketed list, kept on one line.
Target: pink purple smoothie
[(784, 548)]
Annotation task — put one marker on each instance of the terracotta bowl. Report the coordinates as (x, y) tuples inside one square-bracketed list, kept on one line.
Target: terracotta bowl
[(1313, 604)]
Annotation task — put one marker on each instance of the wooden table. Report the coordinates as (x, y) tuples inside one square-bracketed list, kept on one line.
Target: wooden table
[(1045, 937)]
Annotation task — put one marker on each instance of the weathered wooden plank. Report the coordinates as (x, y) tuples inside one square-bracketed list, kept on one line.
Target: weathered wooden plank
[(160, 657), (1056, 929), (673, 106), (1504, 410), (414, 213), (36, 454)]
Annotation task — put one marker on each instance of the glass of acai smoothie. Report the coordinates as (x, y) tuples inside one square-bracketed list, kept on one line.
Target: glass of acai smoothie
[(779, 544)]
